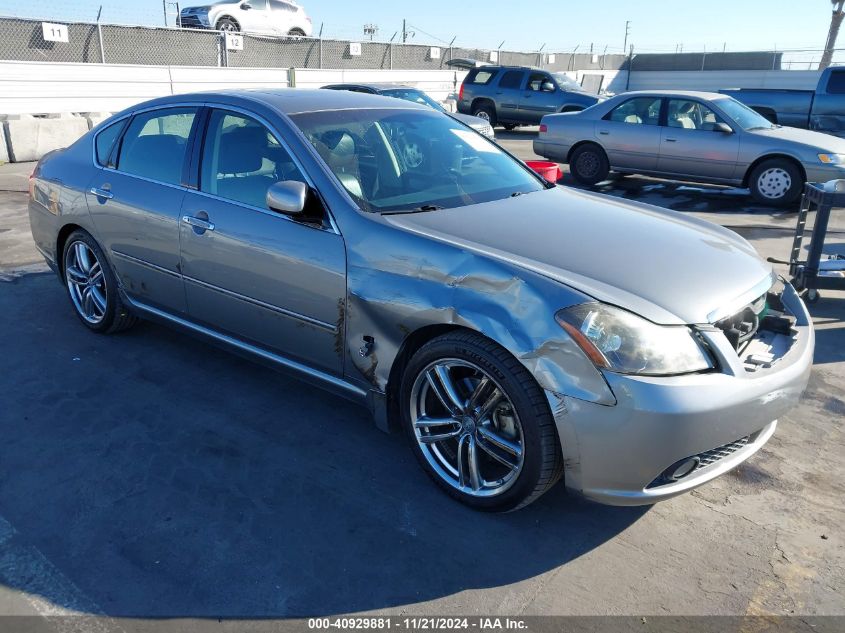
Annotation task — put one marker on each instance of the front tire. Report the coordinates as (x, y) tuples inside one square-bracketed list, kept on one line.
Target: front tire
[(92, 286), (589, 164), (777, 182), (228, 25), (479, 424)]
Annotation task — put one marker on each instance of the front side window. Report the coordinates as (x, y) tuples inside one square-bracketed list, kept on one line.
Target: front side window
[(257, 5), (639, 111), (105, 142), (241, 159), (540, 82), (690, 115), (155, 143), (412, 160), (836, 83), (414, 96)]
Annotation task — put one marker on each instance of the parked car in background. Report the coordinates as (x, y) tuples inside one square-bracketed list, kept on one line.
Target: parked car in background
[(822, 109), (512, 329), (260, 17), (701, 136), (512, 96), (415, 95)]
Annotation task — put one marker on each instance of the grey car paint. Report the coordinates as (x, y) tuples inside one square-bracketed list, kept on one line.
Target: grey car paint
[(305, 297), (707, 156), (822, 109)]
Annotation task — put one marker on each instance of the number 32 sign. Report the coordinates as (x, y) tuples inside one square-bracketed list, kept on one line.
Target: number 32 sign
[(54, 32)]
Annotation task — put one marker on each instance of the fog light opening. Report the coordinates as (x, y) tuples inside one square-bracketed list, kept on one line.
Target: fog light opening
[(681, 469)]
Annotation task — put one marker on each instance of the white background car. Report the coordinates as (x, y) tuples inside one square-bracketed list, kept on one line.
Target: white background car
[(262, 17)]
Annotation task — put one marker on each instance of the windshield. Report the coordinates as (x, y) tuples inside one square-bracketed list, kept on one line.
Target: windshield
[(745, 117), (413, 160), (414, 96), (565, 82)]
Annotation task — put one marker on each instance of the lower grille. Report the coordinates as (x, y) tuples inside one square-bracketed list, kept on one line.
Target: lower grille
[(702, 460), (190, 22)]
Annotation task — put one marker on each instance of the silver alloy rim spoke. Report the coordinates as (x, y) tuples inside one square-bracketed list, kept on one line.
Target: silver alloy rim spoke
[(501, 442), (444, 388), (86, 282), (466, 427)]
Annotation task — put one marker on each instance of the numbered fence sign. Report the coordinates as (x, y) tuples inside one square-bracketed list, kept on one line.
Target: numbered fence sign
[(234, 42), (355, 48), (54, 32), (552, 59), (435, 53), (494, 56)]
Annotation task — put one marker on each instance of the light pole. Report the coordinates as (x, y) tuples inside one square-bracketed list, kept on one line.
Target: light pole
[(627, 33)]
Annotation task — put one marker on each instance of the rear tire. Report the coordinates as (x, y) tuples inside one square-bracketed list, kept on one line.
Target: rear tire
[(589, 164), (92, 286), (777, 182), (485, 111), (498, 448), (296, 33), (509, 126)]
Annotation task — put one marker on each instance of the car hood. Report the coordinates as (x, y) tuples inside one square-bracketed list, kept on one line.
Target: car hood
[(818, 140), (468, 119), (667, 267)]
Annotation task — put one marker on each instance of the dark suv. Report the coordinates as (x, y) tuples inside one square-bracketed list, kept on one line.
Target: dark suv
[(511, 95)]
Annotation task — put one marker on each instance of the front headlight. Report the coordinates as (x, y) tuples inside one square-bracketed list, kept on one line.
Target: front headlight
[(832, 159), (625, 343)]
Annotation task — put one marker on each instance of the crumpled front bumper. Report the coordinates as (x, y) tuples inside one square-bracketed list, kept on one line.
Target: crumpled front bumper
[(617, 454)]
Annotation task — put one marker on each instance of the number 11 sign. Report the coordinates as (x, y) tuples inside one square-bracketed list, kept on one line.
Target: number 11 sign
[(54, 32)]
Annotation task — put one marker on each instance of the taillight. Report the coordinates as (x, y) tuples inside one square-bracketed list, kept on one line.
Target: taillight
[(32, 184), (461, 93), (543, 128)]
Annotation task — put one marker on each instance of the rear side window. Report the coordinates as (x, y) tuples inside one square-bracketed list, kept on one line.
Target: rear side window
[(637, 111), (836, 83), (480, 77), (105, 141), (155, 143), (511, 80)]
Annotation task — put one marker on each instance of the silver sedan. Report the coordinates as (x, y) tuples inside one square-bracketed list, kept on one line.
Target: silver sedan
[(700, 136), (387, 252)]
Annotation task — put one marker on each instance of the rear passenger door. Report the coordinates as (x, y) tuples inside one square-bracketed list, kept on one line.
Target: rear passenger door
[(630, 133), (508, 93), (261, 276), (135, 199), (254, 16)]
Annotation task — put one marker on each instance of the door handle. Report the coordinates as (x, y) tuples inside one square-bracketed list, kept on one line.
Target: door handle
[(671, 140), (604, 132), (198, 223), (101, 193)]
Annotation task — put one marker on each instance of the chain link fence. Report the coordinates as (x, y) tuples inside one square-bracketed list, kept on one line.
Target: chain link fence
[(23, 40)]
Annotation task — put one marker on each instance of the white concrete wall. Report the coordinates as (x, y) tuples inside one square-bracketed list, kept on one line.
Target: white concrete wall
[(715, 80)]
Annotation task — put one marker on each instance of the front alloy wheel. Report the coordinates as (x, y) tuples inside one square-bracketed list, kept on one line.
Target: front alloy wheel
[(478, 423), (467, 428)]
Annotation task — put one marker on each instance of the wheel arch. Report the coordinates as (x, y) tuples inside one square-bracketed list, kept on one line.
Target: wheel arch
[(478, 101), (777, 156), (580, 144), (61, 239), (226, 17)]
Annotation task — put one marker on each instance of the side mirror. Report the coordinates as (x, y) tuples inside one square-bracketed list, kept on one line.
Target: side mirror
[(246, 6), (288, 197), (724, 128), (547, 86)]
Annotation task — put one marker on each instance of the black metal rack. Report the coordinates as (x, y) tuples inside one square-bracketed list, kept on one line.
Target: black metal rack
[(811, 275)]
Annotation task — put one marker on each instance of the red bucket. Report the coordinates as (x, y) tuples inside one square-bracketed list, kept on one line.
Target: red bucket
[(548, 170)]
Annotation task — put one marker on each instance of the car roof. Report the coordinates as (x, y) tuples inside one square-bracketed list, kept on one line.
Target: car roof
[(376, 85), (292, 100), (693, 94)]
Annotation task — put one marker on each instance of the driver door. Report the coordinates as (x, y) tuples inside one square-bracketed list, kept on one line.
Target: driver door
[(258, 275), (539, 98)]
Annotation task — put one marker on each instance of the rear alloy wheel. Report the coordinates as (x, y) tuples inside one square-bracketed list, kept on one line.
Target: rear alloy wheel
[(487, 112), (479, 424), (92, 287), (589, 164), (776, 182), (228, 25)]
